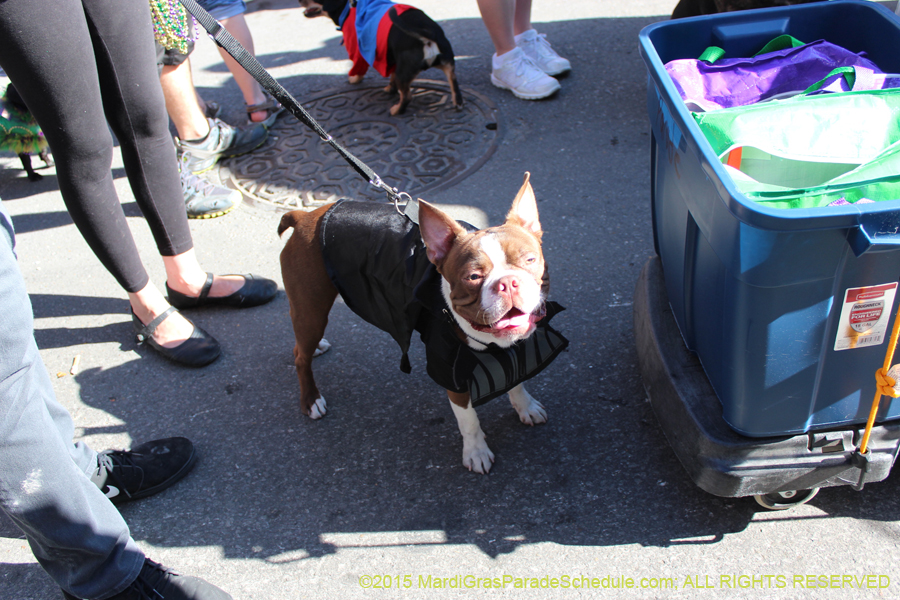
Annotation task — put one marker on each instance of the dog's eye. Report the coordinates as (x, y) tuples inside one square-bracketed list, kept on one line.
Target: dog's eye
[(530, 260), (474, 277)]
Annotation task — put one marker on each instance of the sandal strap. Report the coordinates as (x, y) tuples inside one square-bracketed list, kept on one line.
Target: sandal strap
[(269, 104), (206, 287), (147, 332)]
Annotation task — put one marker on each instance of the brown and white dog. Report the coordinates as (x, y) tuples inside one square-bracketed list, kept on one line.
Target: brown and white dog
[(493, 282)]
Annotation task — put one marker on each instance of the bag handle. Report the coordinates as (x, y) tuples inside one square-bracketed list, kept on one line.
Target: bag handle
[(849, 76), (782, 42)]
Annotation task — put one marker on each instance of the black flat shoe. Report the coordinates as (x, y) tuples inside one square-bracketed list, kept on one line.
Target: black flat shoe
[(255, 291), (197, 351)]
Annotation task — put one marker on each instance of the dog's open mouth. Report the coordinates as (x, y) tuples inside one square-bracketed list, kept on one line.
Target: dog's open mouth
[(512, 320)]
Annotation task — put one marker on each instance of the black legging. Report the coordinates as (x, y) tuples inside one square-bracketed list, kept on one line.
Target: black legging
[(79, 64)]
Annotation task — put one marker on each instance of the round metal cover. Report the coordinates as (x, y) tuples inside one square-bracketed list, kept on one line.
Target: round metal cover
[(428, 148)]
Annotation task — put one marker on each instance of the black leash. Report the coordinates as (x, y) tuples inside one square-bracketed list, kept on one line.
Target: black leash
[(252, 66)]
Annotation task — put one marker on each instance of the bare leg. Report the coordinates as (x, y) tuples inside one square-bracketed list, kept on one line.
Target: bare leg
[(253, 93), (505, 19), (522, 21), (498, 17), (184, 274), (181, 101)]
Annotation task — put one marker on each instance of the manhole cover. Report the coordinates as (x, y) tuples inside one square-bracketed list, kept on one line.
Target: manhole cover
[(430, 147)]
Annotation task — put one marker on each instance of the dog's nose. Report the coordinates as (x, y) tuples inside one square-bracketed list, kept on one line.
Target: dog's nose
[(507, 286)]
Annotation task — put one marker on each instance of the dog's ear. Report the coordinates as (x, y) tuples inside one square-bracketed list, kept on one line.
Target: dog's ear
[(439, 231), (524, 210)]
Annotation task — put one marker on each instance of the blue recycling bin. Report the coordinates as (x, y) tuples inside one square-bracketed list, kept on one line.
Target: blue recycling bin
[(787, 310)]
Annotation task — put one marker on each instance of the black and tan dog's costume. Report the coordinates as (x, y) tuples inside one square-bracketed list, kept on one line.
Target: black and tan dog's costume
[(376, 259)]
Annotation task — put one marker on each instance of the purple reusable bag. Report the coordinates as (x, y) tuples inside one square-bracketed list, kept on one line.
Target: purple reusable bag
[(728, 82)]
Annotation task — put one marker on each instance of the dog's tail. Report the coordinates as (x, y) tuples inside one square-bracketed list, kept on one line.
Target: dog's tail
[(289, 220), (420, 26)]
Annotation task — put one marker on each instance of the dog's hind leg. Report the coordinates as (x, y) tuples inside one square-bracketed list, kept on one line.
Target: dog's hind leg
[(309, 315), (407, 69), (310, 295), (391, 87), (403, 88), (455, 93)]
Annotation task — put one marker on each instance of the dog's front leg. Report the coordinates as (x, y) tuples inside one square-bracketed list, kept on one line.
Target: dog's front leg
[(476, 454), (531, 412)]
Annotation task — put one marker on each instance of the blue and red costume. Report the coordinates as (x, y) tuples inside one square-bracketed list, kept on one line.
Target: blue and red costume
[(366, 28)]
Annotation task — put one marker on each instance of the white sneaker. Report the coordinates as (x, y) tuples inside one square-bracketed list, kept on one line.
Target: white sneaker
[(515, 71), (536, 46)]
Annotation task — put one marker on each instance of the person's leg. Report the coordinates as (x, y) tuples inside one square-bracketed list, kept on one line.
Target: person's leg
[(76, 534), (522, 19), (202, 199), (230, 13), (48, 52), (498, 17), (250, 88), (181, 101), (511, 67), (534, 44)]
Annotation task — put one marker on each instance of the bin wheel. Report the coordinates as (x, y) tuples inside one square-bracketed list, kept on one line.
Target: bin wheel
[(785, 500)]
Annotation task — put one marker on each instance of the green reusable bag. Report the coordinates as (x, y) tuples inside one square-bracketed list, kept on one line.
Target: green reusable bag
[(810, 151)]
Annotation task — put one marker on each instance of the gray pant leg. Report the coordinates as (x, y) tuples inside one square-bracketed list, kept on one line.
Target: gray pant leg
[(75, 532)]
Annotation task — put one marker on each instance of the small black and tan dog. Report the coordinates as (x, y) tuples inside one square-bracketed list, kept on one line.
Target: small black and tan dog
[(397, 40), (20, 133), (694, 8)]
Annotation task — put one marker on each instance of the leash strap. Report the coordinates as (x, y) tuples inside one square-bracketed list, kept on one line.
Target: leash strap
[(252, 66)]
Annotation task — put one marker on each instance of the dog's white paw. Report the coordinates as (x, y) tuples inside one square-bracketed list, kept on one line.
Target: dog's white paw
[(478, 457), (476, 454), (531, 412), (318, 409), (323, 347)]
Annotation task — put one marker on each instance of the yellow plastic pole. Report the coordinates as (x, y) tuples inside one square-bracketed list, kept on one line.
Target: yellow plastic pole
[(880, 375)]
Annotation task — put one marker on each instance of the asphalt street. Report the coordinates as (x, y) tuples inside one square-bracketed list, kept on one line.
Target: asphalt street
[(372, 500)]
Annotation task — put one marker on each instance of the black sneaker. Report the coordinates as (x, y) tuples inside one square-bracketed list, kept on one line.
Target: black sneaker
[(156, 581), (126, 475)]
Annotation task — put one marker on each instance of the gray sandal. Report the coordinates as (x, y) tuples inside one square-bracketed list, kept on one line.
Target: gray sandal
[(272, 108)]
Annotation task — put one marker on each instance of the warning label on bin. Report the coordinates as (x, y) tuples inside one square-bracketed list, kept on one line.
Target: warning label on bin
[(864, 316)]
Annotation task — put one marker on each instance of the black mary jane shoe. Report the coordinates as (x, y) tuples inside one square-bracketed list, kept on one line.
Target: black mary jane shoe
[(197, 351), (255, 291)]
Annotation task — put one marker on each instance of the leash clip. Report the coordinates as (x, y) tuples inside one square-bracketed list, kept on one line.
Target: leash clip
[(393, 194)]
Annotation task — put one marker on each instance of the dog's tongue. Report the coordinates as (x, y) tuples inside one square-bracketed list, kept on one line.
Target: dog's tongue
[(512, 319)]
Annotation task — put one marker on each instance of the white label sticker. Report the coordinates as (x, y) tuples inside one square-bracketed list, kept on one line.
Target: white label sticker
[(864, 316)]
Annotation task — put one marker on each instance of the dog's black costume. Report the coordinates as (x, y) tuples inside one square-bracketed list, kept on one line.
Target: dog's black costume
[(376, 259)]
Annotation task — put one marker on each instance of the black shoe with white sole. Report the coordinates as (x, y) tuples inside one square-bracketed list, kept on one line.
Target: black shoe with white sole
[(155, 582), (126, 475)]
